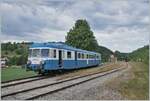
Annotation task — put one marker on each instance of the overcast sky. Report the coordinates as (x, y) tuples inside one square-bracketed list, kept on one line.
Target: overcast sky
[(117, 24)]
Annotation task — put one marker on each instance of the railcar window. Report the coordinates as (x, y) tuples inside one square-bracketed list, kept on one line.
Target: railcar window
[(63, 54), (87, 56), (36, 53), (95, 56), (45, 52), (30, 52), (54, 53), (79, 55), (68, 54), (90, 56), (82, 56)]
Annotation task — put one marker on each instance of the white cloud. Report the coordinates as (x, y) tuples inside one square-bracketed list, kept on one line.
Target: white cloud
[(122, 38), (145, 20), (118, 24), (52, 35)]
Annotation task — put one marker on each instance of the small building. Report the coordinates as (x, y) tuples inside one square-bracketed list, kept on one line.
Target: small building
[(113, 59), (3, 62)]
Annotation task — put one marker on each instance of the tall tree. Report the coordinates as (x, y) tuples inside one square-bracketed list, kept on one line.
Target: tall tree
[(81, 36)]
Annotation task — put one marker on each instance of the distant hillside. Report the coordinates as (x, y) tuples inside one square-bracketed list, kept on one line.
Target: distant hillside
[(141, 54), (17, 53), (105, 53), (121, 56)]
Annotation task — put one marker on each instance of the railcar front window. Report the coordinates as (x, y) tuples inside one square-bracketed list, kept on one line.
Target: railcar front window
[(45, 52), (36, 53)]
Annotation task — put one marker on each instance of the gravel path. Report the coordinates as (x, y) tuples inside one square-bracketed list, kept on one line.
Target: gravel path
[(92, 90)]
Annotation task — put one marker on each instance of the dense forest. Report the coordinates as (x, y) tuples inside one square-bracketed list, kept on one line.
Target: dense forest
[(80, 36), (16, 53)]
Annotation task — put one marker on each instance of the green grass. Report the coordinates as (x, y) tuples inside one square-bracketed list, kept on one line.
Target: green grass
[(15, 72), (137, 88)]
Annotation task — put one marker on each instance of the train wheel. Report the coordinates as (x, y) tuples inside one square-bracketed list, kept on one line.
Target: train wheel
[(60, 71), (41, 72)]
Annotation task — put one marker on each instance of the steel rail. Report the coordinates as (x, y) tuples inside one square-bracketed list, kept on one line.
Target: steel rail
[(58, 82), (65, 87), (3, 82), (17, 82)]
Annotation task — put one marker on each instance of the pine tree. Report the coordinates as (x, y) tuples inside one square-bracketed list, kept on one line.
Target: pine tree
[(81, 36)]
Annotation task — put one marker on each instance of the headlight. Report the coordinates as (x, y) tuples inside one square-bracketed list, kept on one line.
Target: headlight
[(42, 62), (28, 62)]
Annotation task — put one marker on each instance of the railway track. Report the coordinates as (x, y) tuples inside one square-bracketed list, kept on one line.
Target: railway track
[(24, 80), (34, 92), (21, 81)]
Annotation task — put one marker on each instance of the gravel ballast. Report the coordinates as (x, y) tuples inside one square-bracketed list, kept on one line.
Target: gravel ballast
[(92, 90)]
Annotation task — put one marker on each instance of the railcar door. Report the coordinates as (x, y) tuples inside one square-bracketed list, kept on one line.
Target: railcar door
[(60, 58), (76, 58)]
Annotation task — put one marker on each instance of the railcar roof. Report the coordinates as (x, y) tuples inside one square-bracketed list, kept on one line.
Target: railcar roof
[(59, 45)]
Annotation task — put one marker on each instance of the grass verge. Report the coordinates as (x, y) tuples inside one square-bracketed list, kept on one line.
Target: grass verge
[(15, 72), (133, 84), (137, 88)]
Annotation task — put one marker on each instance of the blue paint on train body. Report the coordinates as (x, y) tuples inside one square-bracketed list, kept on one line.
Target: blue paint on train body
[(57, 63)]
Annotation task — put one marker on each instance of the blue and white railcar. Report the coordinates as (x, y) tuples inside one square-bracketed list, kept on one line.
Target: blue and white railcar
[(44, 57)]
